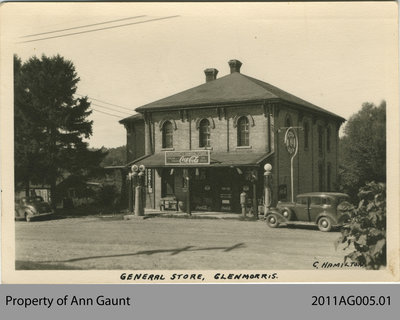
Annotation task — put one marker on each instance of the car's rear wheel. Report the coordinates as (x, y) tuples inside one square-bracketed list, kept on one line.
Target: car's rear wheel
[(27, 217), (272, 220), (324, 224), (287, 214)]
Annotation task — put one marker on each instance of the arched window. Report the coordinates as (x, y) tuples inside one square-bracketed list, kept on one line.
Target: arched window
[(167, 135), (306, 134), (204, 133), (328, 177), (288, 121), (320, 140), (328, 139), (320, 177), (243, 132)]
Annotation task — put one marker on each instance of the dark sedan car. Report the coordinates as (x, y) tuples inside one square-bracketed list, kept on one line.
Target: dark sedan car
[(32, 207), (314, 208)]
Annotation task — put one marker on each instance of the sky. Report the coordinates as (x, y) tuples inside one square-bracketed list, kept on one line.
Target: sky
[(335, 55)]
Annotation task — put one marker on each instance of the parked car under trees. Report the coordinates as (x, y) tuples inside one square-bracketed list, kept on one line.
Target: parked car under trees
[(28, 208), (314, 208)]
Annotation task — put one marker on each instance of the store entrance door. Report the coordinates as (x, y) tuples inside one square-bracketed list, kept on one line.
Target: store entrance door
[(202, 190)]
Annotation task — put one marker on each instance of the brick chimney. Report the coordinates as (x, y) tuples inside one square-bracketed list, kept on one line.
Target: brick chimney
[(211, 74), (235, 65)]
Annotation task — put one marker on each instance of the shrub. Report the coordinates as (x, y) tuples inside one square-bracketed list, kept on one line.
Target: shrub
[(107, 196), (365, 234)]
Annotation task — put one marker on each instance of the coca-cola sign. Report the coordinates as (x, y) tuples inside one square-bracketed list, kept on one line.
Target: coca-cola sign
[(187, 158)]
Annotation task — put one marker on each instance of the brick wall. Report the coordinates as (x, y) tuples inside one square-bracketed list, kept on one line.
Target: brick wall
[(135, 140), (307, 164), (309, 160), (223, 132)]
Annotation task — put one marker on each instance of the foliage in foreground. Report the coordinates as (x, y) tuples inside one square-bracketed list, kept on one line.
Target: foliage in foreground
[(366, 232), (362, 156)]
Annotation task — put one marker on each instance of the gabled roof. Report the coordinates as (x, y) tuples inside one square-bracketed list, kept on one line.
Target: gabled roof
[(230, 89)]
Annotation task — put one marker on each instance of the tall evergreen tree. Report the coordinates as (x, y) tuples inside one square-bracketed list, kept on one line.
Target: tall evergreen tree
[(50, 124)]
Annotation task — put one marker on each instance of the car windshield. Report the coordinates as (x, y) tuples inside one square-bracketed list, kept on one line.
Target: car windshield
[(35, 199)]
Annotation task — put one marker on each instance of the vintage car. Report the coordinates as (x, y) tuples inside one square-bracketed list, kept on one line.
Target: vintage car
[(32, 207), (314, 208)]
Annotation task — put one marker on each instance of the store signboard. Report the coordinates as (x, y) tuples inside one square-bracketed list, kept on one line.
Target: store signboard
[(187, 158), (149, 180)]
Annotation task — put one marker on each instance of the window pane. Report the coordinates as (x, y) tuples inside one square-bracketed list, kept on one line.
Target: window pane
[(320, 140), (328, 139), (204, 133), (168, 184), (328, 177), (316, 201), (243, 132), (168, 135), (302, 200), (306, 129)]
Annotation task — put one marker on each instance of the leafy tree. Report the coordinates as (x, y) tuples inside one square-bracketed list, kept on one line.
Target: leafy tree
[(115, 157), (363, 149), (50, 124), (365, 235)]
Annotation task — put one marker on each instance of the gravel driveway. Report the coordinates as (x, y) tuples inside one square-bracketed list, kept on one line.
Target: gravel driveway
[(169, 243)]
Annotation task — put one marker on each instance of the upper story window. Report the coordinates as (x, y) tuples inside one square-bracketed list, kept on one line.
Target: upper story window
[(328, 177), (306, 134), (288, 121), (328, 139), (243, 132), (204, 133), (320, 140), (167, 135)]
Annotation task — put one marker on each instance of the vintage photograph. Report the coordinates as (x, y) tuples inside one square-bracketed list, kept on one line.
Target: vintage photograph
[(226, 141)]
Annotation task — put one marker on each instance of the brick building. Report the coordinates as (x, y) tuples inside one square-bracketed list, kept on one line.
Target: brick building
[(220, 135)]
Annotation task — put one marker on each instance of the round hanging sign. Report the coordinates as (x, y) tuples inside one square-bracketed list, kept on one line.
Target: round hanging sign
[(291, 141)]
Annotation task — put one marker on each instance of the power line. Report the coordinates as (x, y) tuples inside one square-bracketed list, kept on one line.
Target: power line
[(85, 26), (97, 105), (107, 113), (111, 104), (119, 26)]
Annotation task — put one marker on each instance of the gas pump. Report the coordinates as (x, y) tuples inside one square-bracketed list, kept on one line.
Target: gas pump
[(140, 196), (132, 177), (243, 202)]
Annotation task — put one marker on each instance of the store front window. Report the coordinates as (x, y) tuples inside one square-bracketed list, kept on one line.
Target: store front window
[(168, 183)]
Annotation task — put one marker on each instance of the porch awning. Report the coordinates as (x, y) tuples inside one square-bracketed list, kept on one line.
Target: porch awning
[(217, 159)]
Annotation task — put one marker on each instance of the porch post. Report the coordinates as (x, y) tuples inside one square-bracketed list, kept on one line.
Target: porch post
[(188, 205)]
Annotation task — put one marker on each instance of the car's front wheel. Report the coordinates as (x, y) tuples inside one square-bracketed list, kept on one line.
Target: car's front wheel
[(272, 220), (324, 224)]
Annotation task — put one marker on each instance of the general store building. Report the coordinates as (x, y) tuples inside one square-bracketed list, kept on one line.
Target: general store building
[(221, 133)]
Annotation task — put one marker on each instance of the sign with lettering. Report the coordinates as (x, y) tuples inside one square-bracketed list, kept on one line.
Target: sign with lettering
[(187, 158), (149, 180)]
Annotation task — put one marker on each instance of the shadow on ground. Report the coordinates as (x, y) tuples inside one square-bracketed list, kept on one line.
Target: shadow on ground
[(60, 265), (29, 265)]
